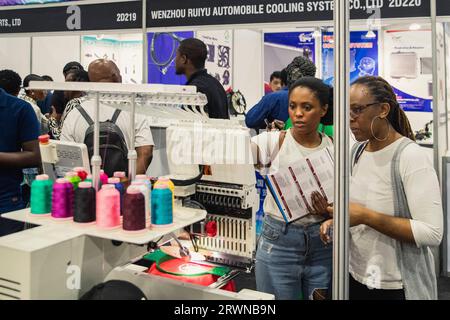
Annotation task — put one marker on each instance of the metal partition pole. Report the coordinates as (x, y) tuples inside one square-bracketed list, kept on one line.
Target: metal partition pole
[(132, 154), (96, 160), (144, 43), (435, 87), (341, 151)]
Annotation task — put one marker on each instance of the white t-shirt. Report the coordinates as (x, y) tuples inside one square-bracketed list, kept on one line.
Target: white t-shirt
[(40, 117), (290, 152), (75, 126), (373, 260)]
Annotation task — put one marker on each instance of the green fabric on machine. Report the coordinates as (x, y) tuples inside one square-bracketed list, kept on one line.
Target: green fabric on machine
[(160, 257), (328, 130)]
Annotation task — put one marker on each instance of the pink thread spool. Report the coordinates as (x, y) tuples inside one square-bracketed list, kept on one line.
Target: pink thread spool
[(108, 207), (103, 177)]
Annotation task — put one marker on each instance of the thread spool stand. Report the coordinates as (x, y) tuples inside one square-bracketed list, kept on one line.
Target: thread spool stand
[(151, 100)]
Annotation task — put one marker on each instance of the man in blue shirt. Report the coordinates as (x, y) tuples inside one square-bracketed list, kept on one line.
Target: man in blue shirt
[(274, 106), (19, 148)]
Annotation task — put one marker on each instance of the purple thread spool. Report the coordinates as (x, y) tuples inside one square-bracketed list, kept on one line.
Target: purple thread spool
[(62, 199)]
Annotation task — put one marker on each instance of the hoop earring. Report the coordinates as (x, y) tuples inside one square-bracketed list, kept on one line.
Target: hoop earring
[(371, 129)]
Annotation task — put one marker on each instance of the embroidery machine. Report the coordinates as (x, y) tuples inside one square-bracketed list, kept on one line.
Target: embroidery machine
[(60, 261)]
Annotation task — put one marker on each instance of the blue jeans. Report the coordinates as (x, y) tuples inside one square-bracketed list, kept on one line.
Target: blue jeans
[(8, 226), (292, 261)]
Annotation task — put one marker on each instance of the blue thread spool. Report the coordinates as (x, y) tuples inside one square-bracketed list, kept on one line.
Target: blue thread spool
[(119, 187), (162, 205)]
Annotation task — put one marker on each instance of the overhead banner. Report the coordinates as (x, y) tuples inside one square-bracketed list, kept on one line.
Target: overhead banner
[(104, 16), (443, 9), (176, 13)]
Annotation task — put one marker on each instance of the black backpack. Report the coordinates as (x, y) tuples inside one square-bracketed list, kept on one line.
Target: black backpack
[(113, 148)]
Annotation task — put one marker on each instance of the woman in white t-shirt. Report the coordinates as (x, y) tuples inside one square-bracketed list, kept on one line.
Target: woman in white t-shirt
[(291, 260), (390, 238)]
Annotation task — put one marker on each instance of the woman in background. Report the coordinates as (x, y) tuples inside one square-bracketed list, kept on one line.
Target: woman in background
[(58, 105)]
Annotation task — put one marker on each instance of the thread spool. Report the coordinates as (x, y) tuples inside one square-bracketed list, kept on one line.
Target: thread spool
[(108, 207), (62, 200), (122, 176), (162, 206), (84, 203), (170, 184), (103, 178), (147, 182), (41, 195), (73, 178), (89, 178), (119, 186), (134, 210), (81, 173), (166, 181), (145, 192)]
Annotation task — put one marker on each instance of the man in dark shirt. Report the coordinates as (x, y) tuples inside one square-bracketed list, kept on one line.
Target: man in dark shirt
[(19, 148), (190, 61)]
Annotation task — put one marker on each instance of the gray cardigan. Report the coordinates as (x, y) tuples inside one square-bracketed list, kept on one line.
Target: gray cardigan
[(416, 264)]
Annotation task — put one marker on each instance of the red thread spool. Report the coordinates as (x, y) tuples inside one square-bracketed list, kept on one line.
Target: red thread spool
[(81, 173), (211, 228)]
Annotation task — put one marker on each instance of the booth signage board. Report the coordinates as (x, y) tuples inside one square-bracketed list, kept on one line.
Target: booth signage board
[(177, 13), (19, 2), (162, 48), (104, 16), (364, 59), (443, 8)]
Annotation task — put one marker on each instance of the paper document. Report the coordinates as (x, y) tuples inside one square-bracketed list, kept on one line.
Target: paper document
[(292, 187)]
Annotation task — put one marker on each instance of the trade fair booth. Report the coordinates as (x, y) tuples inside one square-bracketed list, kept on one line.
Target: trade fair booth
[(246, 42)]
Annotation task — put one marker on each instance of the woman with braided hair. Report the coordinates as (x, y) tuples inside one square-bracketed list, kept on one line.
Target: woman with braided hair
[(395, 202)]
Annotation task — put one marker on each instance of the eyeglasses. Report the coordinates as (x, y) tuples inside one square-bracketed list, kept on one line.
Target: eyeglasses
[(357, 110)]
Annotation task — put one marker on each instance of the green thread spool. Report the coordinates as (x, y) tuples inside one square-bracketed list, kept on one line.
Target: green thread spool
[(74, 179), (41, 195), (88, 178)]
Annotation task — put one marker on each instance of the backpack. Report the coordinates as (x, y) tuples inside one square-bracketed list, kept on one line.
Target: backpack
[(113, 148)]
